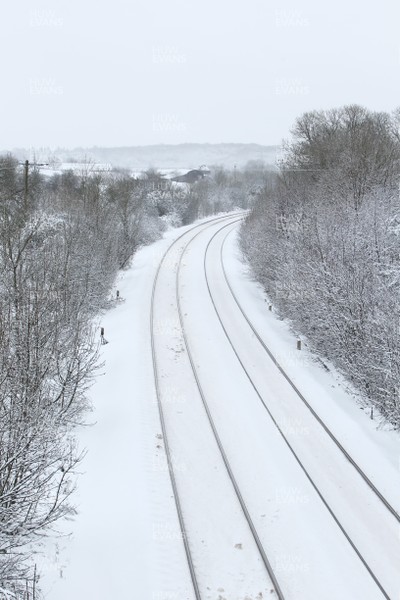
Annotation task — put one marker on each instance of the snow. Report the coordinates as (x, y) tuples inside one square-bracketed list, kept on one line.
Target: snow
[(76, 167), (123, 494), (126, 540), (370, 443), (214, 521), (297, 530)]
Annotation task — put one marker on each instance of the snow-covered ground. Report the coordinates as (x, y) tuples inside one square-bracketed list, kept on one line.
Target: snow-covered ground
[(126, 541)]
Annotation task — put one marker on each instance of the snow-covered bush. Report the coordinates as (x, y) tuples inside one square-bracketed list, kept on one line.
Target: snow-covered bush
[(323, 242), (59, 255)]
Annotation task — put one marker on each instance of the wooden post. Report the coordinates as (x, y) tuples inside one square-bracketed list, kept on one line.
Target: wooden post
[(372, 413), (298, 344), (270, 307), (26, 188), (117, 294), (34, 584)]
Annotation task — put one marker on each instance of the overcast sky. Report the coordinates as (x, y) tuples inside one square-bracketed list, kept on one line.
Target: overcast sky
[(135, 72)]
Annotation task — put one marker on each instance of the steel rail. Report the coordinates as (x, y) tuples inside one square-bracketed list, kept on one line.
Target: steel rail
[(301, 396), (264, 557), (298, 460), (171, 471)]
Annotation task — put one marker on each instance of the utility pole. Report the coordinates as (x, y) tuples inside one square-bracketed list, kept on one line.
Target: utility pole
[(26, 188)]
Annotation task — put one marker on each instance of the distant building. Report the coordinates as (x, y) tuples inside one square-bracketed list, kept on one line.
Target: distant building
[(193, 176)]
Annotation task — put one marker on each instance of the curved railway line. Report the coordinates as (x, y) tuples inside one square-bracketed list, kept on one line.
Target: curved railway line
[(362, 474), (183, 529), (229, 222), (264, 557), (281, 432), (168, 453)]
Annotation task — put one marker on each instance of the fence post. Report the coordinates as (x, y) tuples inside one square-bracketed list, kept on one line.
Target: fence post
[(298, 344), (34, 584)]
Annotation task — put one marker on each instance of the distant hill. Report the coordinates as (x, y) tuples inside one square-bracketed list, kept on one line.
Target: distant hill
[(179, 156)]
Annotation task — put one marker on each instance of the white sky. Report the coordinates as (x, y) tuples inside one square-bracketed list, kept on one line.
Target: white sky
[(133, 72)]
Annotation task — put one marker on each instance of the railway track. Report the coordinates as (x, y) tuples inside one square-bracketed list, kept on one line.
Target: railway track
[(328, 431), (263, 555), (168, 453), (280, 430), (182, 524)]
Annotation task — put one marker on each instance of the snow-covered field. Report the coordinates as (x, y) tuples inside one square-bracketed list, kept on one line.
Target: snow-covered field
[(126, 540)]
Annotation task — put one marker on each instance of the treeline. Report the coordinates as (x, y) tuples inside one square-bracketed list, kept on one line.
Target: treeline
[(323, 239), (60, 248), (222, 190), (62, 241)]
